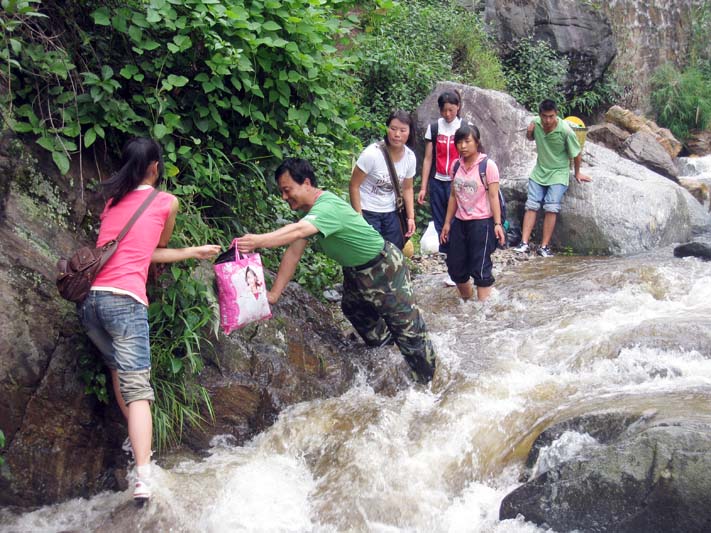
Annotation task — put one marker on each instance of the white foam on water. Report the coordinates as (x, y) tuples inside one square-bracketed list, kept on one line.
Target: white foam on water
[(268, 493), (66, 516), (695, 166), (569, 445)]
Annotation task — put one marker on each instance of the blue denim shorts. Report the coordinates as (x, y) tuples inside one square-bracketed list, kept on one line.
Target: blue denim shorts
[(549, 195), (118, 326)]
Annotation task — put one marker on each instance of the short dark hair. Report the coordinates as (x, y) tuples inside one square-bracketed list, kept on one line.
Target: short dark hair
[(449, 97), (464, 131), (547, 105), (298, 169)]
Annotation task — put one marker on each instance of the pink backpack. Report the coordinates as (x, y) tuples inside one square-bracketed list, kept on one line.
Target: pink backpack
[(241, 290)]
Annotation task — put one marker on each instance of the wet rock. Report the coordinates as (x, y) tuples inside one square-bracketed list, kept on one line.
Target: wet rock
[(60, 442), (649, 475), (699, 143), (694, 249), (633, 123), (643, 148), (697, 189), (603, 427), (300, 354), (574, 29), (608, 135)]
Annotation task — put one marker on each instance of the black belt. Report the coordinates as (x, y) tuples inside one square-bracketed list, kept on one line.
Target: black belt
[(381, 255)]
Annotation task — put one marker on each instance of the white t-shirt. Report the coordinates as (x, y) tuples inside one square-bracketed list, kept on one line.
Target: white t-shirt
[(446, 153), (376, 191)]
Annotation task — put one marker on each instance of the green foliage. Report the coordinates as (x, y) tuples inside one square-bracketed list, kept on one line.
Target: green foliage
[(408, 47), (93, 374), (228, 87), (534, 72), (682, 100), (586, 103)]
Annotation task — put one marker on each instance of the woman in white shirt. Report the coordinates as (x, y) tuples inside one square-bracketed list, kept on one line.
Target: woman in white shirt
[(371, 188)]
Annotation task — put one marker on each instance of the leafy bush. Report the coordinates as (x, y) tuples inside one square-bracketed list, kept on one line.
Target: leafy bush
[(682, 100), (408, 47), (586, 103), (534, 72)]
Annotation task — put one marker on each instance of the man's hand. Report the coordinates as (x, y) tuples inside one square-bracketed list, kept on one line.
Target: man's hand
[(529, 130), (272, 297), (580, 177), (421, 196), (247, 243)]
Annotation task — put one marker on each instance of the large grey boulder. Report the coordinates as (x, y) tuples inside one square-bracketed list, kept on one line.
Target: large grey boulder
[(626, 209), (575, 29), (652, 472), (643, 148)]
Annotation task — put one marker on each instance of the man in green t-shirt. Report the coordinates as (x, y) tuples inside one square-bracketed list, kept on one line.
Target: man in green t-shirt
[(377, 291), (556, 144)]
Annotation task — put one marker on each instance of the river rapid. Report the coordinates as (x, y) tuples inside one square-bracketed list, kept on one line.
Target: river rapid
[(560, 337)]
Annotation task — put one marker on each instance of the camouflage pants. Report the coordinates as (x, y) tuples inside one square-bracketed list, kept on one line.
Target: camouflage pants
[(380, 304)]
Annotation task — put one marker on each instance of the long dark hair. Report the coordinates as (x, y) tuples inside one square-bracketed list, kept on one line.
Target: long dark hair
[(136, 156), (405, 118), (464, 131)]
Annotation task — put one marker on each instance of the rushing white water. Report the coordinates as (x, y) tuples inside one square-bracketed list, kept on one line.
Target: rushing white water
[(560, 337), (695, 166)]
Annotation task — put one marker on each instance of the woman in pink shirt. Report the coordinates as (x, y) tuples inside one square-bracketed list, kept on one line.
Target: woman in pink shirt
[(115, 313), (473, 238)]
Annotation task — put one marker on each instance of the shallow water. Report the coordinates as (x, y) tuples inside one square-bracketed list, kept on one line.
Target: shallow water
[(560, 337)]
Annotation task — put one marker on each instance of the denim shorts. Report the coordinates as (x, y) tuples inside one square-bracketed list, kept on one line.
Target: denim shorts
[(550, 195), (118, 325)]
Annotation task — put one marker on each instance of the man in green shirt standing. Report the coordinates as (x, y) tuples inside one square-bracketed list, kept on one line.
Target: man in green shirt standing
[(377, 291), (556, 144)]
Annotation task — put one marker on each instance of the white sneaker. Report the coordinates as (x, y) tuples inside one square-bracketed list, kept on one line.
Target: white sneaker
[(522, 248), (142, 491), (142, 488), (545, 251), (448, 282)]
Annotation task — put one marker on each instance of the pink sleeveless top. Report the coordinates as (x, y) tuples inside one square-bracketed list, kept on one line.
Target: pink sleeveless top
[(127, 270)]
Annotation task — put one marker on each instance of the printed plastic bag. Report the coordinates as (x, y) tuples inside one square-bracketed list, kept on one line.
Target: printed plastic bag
[(241, 291)]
